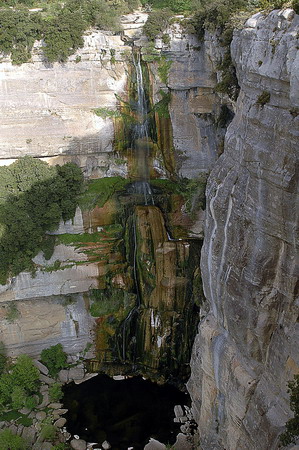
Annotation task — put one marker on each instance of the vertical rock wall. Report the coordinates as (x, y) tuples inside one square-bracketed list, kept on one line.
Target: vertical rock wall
[(46, 110), (194, 106), (247, 346)]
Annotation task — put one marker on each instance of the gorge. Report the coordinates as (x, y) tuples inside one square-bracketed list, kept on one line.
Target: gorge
[(150, 274)]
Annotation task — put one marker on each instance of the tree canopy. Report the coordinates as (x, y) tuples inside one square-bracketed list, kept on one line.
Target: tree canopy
[(34, 197)]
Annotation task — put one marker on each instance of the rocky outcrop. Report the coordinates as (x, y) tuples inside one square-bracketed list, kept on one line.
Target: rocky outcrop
[(247, 347)]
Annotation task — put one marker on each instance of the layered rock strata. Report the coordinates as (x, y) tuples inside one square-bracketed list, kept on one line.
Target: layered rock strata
[(46, 110), (247, 347), (193, 106)]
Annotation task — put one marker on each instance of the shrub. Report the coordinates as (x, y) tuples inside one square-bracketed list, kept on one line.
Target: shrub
[(150, 53), (162, 107), (25, 374), (18, 397), (12, 312), (263, 98), (31, 402), (177, 6), (21, 30), (18, 385), (55, 392), (163, 69), (3, 357), (9, 441), (48, 432), (54, 358), (295, 6), (156, 23), (292, 426)]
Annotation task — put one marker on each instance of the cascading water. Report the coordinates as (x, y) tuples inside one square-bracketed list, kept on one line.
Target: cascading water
[(141, 187), (141, 147)]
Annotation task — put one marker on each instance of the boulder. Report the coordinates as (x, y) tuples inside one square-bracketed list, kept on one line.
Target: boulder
[(55, 405), (183, 442), (78, 444), (46, 379), (63, 376), (45, 401), (178, 411), (41, 415), (60, 422), (76, 373), (29, 434), (41, 367), (154, 445)]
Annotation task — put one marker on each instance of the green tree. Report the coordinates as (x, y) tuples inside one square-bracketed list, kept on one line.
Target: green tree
[(156, 23), (25, 374), (34, 197), (9, 441), (63, 35), (18, 31), (54, 358)]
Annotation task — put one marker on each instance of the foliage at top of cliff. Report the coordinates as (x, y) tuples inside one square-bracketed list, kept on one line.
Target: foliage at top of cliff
[(33, 199), (59, 24)]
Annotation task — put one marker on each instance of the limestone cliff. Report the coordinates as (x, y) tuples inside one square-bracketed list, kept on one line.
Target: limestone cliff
[(46, 110), (194, 106), (247, 346)]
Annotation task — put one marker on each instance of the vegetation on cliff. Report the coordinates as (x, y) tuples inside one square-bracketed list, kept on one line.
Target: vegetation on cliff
[(59, 24), (292, 426), (33, 199)]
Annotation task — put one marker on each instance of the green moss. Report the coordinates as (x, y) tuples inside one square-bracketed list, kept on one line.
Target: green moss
[(99, 191), (167, 186), (53, 267), (106, 112), (162, 107), (164, 68), (150, 53)]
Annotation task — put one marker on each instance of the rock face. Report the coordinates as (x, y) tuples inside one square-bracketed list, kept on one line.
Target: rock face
[(194, 104), (247, 347), (46, 110)]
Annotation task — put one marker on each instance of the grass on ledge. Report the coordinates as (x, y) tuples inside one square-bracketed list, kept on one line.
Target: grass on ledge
[(99, 191)]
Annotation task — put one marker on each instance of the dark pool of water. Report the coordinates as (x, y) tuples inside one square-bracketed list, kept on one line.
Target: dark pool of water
[(126, 413)]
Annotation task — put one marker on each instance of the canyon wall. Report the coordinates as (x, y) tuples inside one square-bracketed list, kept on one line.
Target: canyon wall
[(194, 106), (247, 346), (46, 110)]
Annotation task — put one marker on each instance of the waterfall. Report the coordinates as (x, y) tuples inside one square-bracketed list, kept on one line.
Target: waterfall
[(141, 145), (140, 187)]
